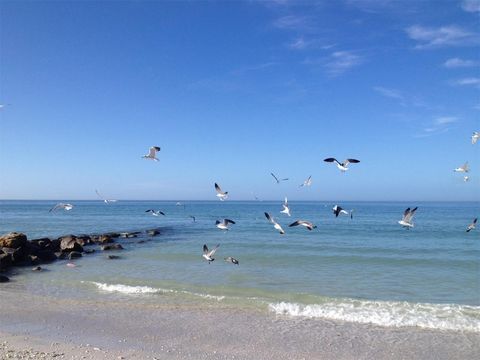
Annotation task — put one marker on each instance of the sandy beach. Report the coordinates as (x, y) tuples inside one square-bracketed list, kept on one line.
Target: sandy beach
[(51, 328)]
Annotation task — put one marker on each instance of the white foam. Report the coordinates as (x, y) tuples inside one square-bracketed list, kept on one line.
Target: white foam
[(391, 314)]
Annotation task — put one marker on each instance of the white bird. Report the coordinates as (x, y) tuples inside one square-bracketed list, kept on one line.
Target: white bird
[(61, 206), (307, 182), (152, 153), (475, 137), (223, 225), (286, 208), (208, 254), (466, 178), (104, 200), (408, 217), (472, 225), (463, 169), (277, 179), (337, 210), (344, 165), (155, 212), (275, 224), (231, 260), (220, 194), (307, 224)]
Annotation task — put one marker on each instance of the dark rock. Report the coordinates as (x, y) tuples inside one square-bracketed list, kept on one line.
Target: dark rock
[(34, 260), (37, 268), (5, 260), (13, 240), (46, 255), (112, 247), (74, 255), (113, 257), (84, 240), (89, 251), (42, 242), (113, 235), (69, 243), (18, 255), (130, 234), (60, 255), (3, 279), (104, 239)]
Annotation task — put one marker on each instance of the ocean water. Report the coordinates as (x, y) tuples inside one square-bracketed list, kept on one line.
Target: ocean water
[(368, 270)]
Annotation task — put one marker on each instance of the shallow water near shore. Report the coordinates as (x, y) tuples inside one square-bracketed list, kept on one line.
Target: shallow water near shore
[(366, 270)]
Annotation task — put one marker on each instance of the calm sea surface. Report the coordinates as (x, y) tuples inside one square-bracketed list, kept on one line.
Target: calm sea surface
[(368, 269)]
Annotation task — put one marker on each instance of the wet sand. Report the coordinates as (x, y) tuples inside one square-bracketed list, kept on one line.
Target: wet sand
[(35, 327)]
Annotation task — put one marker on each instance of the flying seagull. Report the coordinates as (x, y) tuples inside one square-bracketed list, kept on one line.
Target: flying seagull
[(307, 224), (232, 260), (337, 210), (475, 137), (463, 169), (61, 206), (466, 178), (307, 182), (275, 224), (155, 212), (408, 217), (152, 152), (220, 194), (344, 165), (193, 218), (106, 201), (277, 179), (207, 254), (472, 225), (286, 208), (223, 225)]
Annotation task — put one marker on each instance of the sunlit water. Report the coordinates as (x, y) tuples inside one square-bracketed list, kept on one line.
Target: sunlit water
[(368, 269)]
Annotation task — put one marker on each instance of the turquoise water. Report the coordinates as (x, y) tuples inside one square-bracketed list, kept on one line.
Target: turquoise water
[(368, 269)]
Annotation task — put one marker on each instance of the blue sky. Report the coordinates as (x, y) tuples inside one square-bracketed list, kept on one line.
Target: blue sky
[(234, 90)]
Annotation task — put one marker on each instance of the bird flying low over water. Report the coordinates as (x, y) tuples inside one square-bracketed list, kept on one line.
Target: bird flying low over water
[(275, 224), (106, 201), (61, 206), (231, 260), (343, 166), (472, 225), (193, 218), (152, 153), (307, 224), (463, 169), (220, 194), (307, 182), (286, 208), (408, 217), (337, 210), (155, 212), (208, 254), (475, 137), (223, 225), (277, 179)]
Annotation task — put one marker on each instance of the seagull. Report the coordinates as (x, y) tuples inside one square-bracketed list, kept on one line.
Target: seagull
[(155, 212), (208, 254), (275, 224), (220, 194), (407, 218), (307, 224), (231, 260), (193, 218), (472, 225), (277, 179), (61, 206), (307, 182), (152, 152), (104, 200), (223, 225), (466, 178), (351, 214), (337, 210), (463, 169), (475, 137), (342, 166), (286, 208)]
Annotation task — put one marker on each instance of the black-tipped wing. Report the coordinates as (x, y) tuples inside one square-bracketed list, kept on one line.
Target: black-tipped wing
[(352, 161), (405, 213), (162, 213), (205, 248), (157, 148), (475, 221), (229, 221), (276, 179), (296, 223), (150, 210), (267, 215), (331, 160)]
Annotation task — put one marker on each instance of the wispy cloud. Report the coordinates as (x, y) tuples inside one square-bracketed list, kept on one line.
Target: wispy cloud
[(342, 61), (471, 5), (439, 125), (293, 22), (443, 36), (390, 93), (471, 81), (458, 63), (301, 43)]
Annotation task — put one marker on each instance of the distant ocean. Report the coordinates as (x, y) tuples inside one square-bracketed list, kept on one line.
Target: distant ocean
[(367, 270)]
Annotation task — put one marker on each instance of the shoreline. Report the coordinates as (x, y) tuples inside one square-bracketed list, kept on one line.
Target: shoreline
[(114, 329)]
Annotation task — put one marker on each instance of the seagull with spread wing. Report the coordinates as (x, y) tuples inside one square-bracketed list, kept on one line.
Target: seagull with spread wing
[(63, 206), (275, 224), (277, 180), (208, 254), (223, 225), (152, 153), (307, 224), (407, 219), (342, 166), (220, 194), (462, 169), (472, 225), (286, 207), (155, 212), (106, 201), (307, 182)]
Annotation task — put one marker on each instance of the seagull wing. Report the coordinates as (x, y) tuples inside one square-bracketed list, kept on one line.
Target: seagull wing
[(276, 179), (55, 207), (267, 215), (331, 160), (218, 189), (228, 221), (205, 249), (212, 252), (475, 221), (100, 196), (351, 161), (296, 223)]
